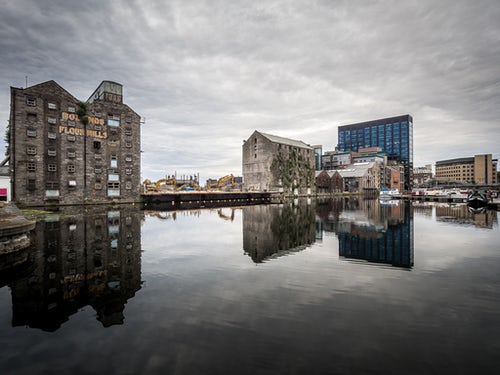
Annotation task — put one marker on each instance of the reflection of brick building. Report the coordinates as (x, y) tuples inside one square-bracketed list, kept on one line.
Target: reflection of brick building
[(66, 151), (81, 258)]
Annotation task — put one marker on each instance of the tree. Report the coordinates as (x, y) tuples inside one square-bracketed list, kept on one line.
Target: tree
[(6, 139)]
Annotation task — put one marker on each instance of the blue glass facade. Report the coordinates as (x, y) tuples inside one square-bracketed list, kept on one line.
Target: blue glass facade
[(394, 135), (394, 245)]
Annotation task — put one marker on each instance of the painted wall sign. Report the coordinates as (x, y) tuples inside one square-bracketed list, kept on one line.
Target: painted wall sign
[(74, 117), (80, 131)]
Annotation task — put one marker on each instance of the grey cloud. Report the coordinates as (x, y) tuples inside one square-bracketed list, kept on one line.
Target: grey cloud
[(218, 70)]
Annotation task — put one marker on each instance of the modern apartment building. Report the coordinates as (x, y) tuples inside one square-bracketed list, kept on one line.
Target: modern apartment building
[(66, 151), (478, 169), (394, 135)]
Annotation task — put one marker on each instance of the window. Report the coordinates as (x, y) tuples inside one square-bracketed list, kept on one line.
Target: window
[(72, 183), (128, 158), (31, 167), (31, 184), (51, 167), (51, 152), (113, 120), (52, 135), (71, 154), (71, 123), (31, 133), (51, 189), (113, 162), (31, 150), (113, 189), (71, 168), (128, 171), (113, 177), (97, 170), (97, 157), (31, 118), (31, 102), (97, 145), (71, 138), (51, 105), (52, 120), (71, 109)]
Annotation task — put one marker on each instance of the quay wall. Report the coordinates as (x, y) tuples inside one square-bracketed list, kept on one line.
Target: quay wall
[(203, 199)]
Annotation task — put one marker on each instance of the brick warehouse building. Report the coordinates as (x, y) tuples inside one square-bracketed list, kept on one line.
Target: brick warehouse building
[(65, 151)]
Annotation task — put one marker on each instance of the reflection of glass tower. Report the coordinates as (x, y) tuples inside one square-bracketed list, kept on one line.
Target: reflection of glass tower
[(274, 230), (91, 257), (394, 135), (391, 243)]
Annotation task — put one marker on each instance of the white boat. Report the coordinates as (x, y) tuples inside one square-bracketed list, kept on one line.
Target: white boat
[(386, 193)]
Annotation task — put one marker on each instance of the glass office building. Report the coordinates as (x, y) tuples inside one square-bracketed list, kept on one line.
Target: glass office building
[(394, 135)]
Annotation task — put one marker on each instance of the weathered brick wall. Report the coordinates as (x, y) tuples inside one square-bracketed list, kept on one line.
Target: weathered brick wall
[(52, 148)]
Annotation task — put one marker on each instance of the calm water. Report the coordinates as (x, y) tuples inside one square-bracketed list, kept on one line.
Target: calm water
[(337, 287)]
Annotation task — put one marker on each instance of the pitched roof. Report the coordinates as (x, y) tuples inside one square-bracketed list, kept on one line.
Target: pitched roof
[(286, 141), (356, 170)]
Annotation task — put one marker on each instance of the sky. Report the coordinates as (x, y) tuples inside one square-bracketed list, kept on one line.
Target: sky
[(204, 75)]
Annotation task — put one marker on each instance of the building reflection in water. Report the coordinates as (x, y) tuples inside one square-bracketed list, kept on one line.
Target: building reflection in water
[(459, 214), (271, 231), (83, 256), (380, 232)]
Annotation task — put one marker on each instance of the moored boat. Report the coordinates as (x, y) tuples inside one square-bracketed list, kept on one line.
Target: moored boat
[(478, 198), (392, 193)]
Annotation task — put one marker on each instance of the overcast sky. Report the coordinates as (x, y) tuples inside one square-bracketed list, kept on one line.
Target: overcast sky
[(205, 74)]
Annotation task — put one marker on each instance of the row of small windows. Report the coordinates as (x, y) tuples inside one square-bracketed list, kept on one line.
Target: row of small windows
[(31, 185), (72, 138), (51, 167), (112, 120), (32, 150)]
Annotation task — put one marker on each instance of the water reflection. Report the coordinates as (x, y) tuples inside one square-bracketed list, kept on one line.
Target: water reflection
[(380, 232), (270, 231), (81, 256), (458, 214)]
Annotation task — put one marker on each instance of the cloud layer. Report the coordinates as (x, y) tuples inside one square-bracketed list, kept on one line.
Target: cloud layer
[(205, 74)]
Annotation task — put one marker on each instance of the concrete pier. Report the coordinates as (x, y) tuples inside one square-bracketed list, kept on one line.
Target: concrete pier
[(14, 237), (197, 199)]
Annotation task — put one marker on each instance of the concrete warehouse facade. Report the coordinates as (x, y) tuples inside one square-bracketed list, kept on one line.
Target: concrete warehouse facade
[(272, 163), (65, 151)]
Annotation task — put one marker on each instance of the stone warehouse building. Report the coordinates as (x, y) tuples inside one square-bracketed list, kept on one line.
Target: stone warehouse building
[(65, 151), (272, 163)]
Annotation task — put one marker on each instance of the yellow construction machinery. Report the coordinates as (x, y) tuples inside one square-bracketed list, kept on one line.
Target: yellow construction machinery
[(160, 185), (221, 182)]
